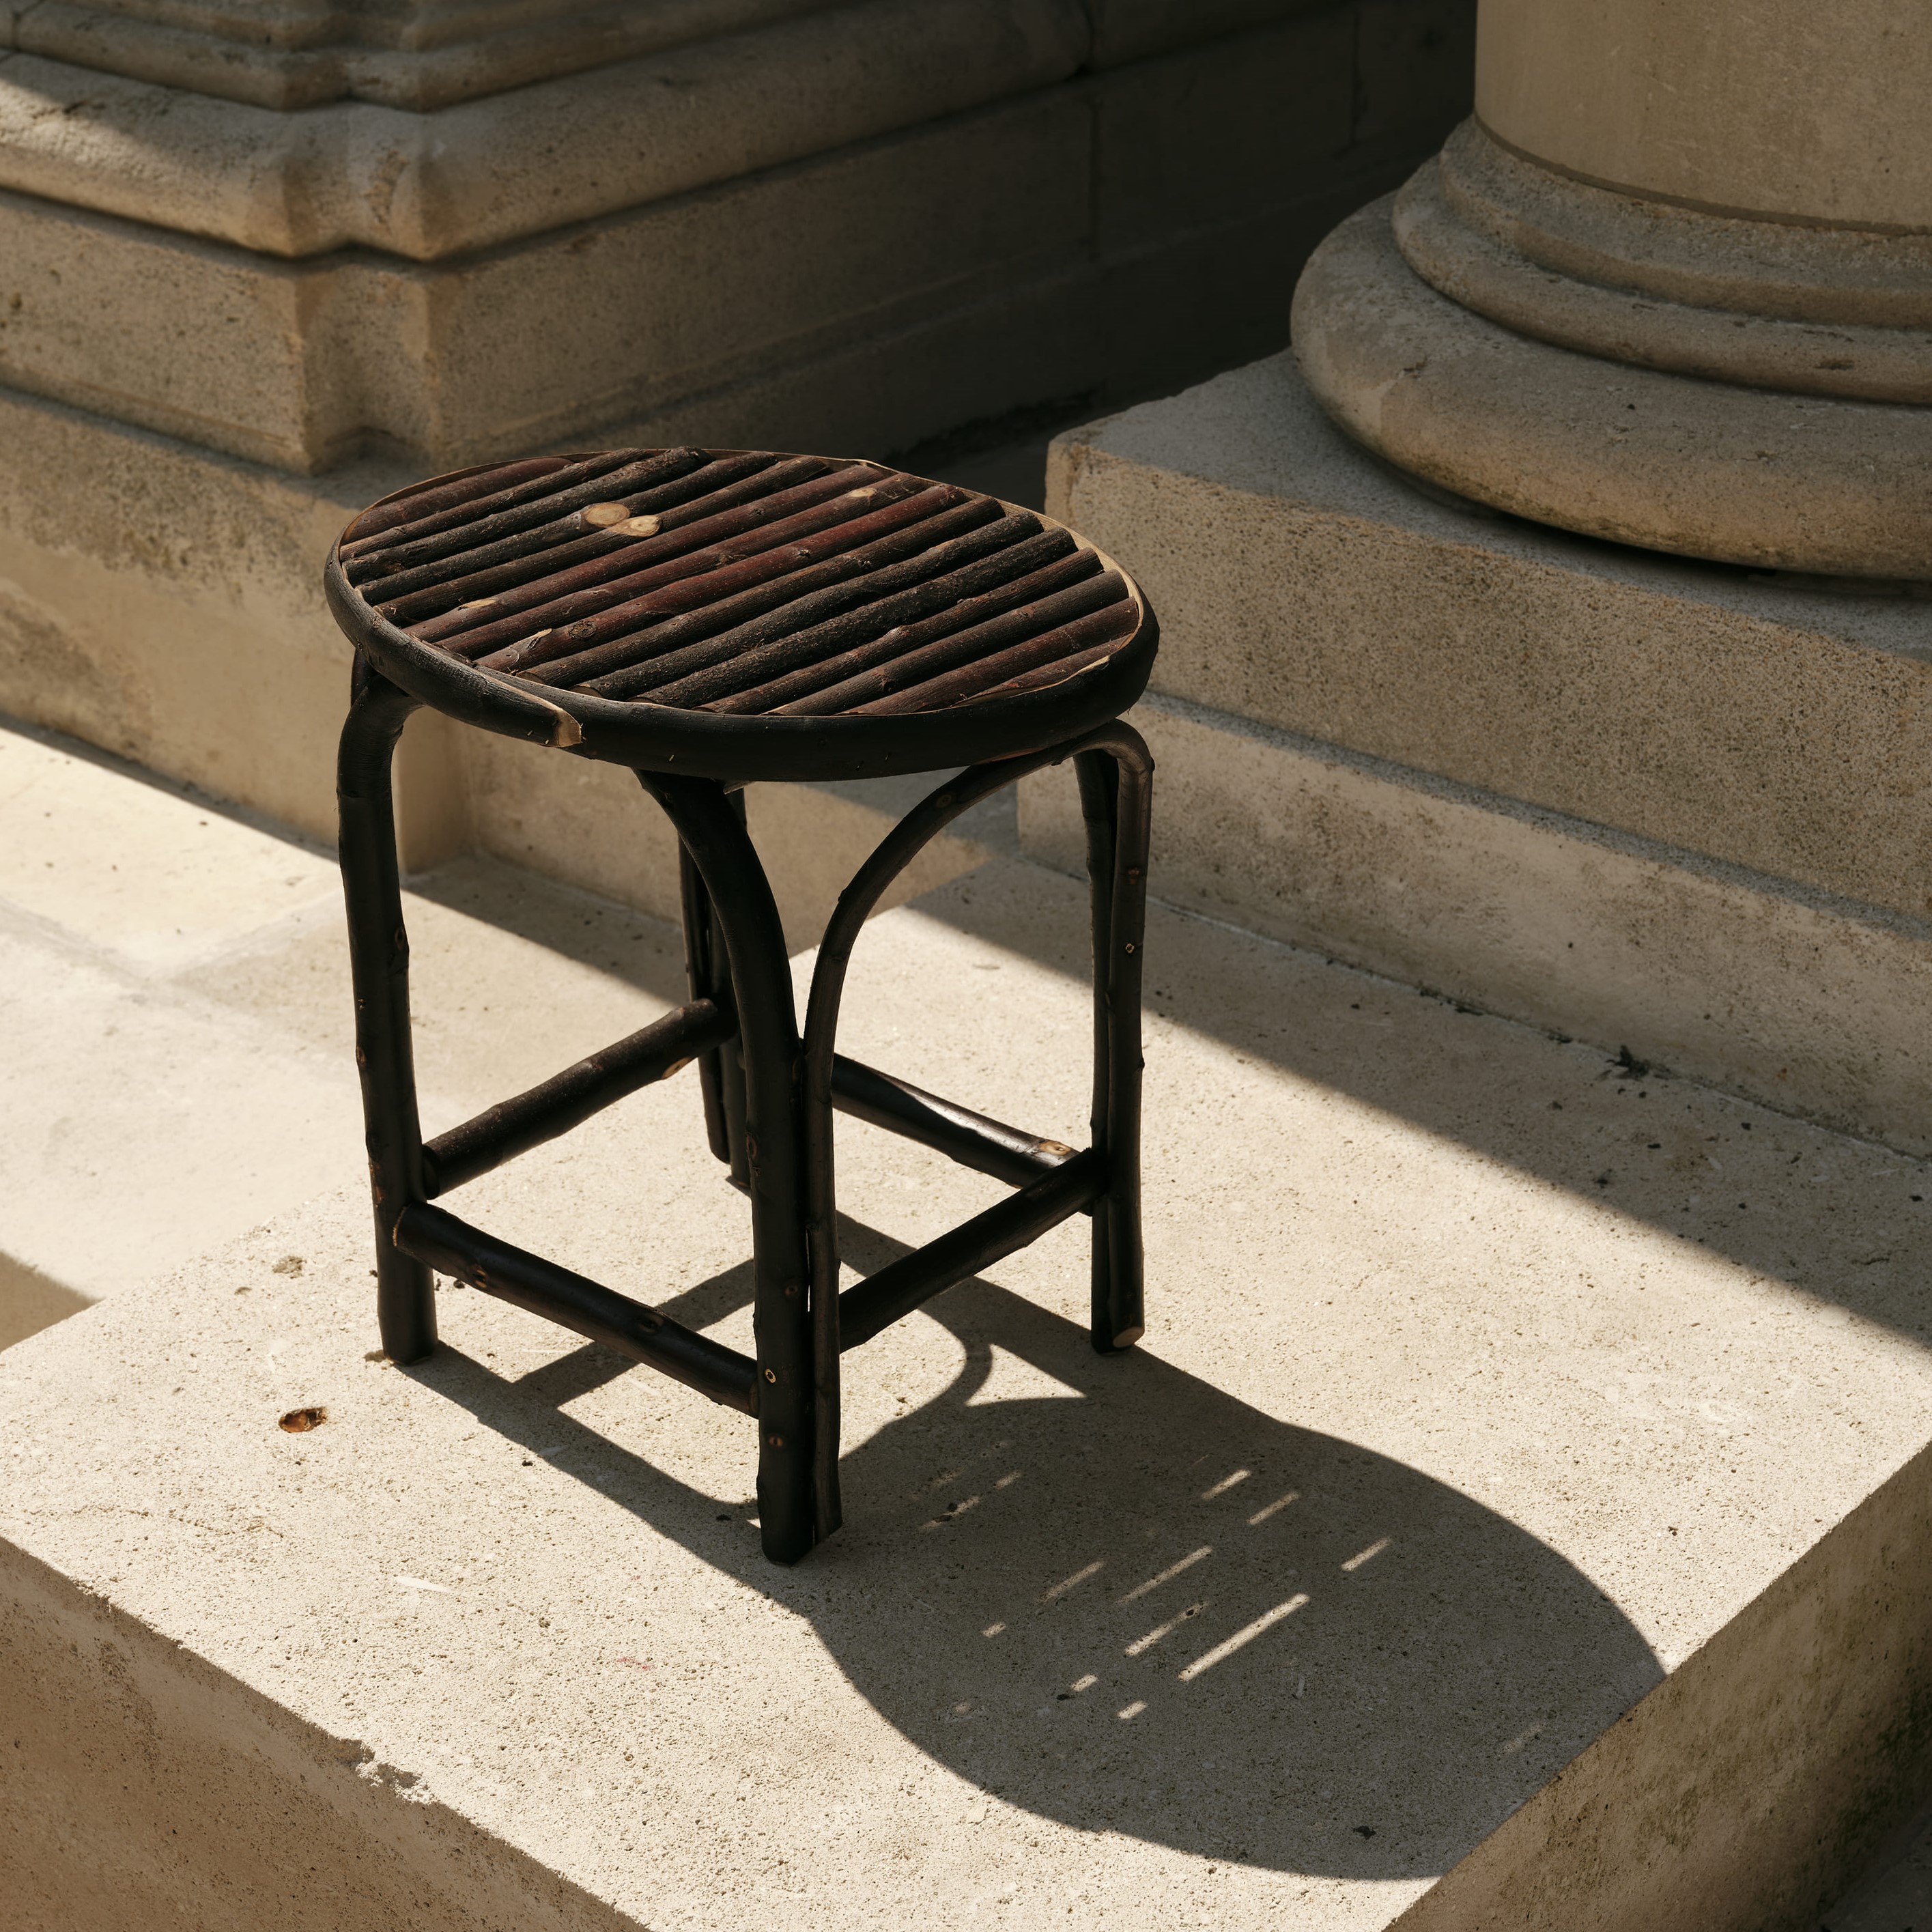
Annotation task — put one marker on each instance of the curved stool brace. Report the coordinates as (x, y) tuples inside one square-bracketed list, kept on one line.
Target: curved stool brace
[(746, 916), (1117, 865)]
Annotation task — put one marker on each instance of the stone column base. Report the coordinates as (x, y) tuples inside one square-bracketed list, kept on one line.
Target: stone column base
[(1651, 456), (1673, 808)]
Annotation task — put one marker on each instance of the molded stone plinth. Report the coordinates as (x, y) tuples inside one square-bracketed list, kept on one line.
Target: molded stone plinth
[(1605, 445), (791, 224), (1704, 234), (1660, 804)]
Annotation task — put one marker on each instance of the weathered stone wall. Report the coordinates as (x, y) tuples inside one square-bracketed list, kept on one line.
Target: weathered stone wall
[(328, 234), (259, 265)]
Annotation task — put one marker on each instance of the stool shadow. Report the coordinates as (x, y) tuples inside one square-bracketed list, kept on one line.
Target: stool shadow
[(1114, 1595)]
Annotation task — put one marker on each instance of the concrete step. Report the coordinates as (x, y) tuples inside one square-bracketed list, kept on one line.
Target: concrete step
[(1516, 1514), (1802, 999), (1653, 802)]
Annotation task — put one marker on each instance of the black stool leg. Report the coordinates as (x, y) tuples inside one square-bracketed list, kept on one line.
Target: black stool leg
[(721, 1072), (1116, 782), (379, 956), (747, 916), (1116, 798)]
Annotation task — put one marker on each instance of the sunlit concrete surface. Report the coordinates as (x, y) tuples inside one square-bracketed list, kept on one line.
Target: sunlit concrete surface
[(143, 1119), (175, 1002), (1515, 1514), (174, 992)]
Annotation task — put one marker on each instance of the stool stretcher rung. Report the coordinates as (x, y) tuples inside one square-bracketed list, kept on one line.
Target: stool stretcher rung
[(986, 1146), (439, 1240), (569, 1099), (899, 1287)]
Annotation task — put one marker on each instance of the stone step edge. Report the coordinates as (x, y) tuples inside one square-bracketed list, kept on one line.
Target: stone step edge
[(1783, 993)]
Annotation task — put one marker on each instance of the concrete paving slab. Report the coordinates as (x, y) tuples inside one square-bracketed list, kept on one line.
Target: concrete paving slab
[(174, 978), (135, 1126), (174, 988), (1516, 1515), (143, 871)]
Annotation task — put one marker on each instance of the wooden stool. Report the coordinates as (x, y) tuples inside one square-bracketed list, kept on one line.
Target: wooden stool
[(709, 618)]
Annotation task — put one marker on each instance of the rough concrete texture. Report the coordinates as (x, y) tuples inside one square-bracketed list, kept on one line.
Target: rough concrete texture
[(1126, 31), (1642, 456), (143, 1118), (166, 604), (1686, 255), (1468, 1400), (1895, 1894), (1812, 1005), (1259, 109), (723, 101), (1782, 725), (1459, 233), (301, 366), (418, 55), (175, 989), (177, 999)]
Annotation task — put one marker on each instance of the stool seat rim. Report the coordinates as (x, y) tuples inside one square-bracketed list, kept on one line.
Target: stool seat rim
[(741, 748)]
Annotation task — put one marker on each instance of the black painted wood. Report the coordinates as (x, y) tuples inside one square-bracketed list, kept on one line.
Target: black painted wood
[(784, 617)]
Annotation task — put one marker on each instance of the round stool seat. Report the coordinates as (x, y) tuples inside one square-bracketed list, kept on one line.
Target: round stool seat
[(741, 614)]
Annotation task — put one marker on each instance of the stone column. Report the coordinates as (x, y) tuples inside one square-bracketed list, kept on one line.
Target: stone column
[(1671, 285)]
